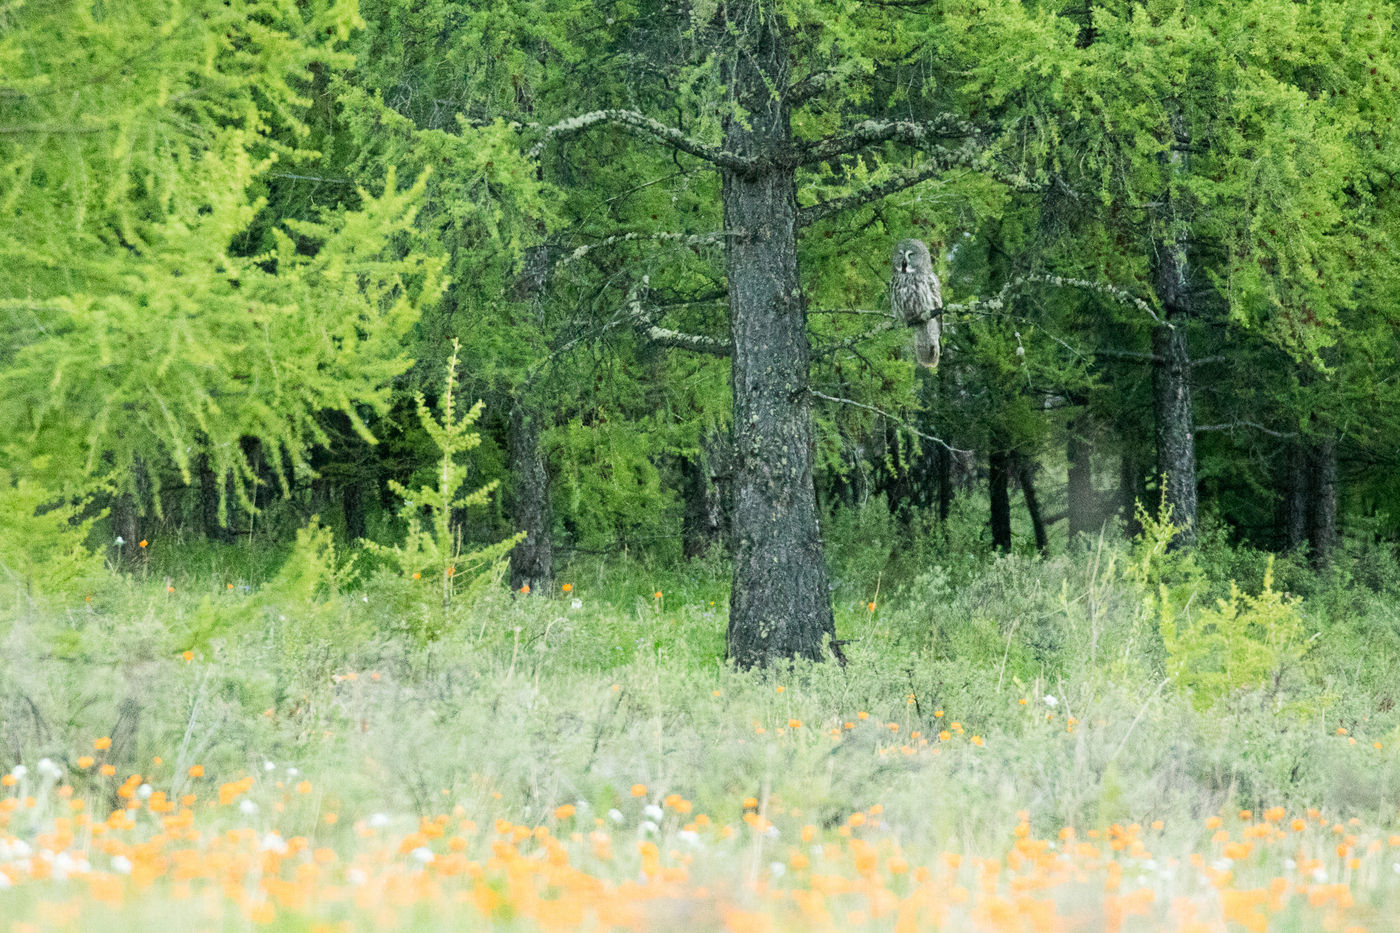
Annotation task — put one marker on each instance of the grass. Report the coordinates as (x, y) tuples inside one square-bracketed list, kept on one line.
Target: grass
[(1008, 748)]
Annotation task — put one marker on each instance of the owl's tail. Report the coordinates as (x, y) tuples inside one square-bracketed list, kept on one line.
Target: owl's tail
[(928, 345)]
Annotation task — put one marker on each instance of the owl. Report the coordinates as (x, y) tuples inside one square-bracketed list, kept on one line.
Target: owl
[(917, 298)]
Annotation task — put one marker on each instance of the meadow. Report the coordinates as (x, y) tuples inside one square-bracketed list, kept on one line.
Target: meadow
[(1112, 739)]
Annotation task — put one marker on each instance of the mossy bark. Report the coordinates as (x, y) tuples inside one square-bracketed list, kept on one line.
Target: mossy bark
[(780, 606)]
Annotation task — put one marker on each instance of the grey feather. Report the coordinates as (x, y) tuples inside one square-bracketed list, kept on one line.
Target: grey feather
[(917, 298)]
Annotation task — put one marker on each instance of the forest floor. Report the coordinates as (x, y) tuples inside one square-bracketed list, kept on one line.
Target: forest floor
[(1005, 750)]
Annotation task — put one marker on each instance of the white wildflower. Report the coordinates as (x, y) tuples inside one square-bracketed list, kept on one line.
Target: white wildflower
[(653, 812), (269, 766), (423, 854), (121, 864), (378, 820), (649, 827), (18, 772), (576, 603), (1050, 700), (777, 869), (356, 877), (247, 807), (145, 791), (273, 842), (615, 815), (689, 836), (48, 769)]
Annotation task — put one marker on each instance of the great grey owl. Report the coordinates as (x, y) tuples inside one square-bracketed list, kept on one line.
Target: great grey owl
[(917, 298)]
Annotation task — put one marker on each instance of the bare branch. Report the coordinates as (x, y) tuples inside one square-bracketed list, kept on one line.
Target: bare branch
[(872, 132), (644, 125), (1107, 289), (886, 415), (642, 318), (1236, 425), (683, 239)]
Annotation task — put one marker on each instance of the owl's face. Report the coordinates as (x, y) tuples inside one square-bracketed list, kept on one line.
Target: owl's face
[(910, 257)]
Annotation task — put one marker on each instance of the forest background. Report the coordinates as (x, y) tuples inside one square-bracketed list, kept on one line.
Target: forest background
[(425, 326)]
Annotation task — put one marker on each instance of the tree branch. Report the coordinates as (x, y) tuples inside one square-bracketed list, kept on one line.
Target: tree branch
[(872, 132), (1236, 425), (886, 415), (684, 239), (642, 318), (642, 125), (898, 182)]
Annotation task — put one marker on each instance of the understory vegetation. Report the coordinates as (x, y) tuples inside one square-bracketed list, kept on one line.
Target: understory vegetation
[(1122, 734)]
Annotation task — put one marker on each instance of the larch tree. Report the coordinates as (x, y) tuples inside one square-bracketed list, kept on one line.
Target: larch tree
[(136, 335)]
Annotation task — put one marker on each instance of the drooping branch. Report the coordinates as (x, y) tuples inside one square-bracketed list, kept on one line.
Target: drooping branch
[(643, 125), (889, 417)]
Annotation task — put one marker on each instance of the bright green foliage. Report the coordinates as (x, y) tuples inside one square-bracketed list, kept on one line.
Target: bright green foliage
[(133, 328), (313, 571), (433, 546), (1244, 642), (46, 550)]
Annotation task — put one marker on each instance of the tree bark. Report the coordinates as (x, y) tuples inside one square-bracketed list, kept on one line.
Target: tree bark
[(1131, 490), (531, 509), (1171, 369), (1025, 471), (1083, 506), (208, 491), (780, 606), (998, 476), (704, 523), (1296, 515), (532, 560), (1176, 445), (1322, 529)]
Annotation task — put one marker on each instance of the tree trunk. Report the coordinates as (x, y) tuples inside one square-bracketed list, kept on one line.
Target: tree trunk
[(208, 491), (1171, 369), (1176, 445), (1322, 530), (532, 560), (780, 606), (703, 525), (531, 509), (1083, 506), (1025, 472), (998, 476), (1131, 490), (944, 466), (1296, 515), (126, 511)]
